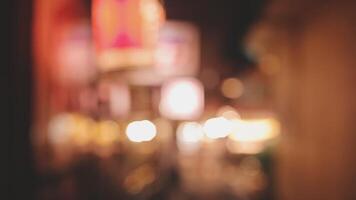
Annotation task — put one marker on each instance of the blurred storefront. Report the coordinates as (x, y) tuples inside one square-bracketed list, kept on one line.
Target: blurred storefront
[(176, 100)]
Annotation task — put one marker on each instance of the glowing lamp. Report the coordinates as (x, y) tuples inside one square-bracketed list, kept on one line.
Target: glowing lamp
[(125, 32), (182, 99)]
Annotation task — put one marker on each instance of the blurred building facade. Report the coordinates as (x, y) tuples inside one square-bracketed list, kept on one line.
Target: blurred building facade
[(305, 48), (311, 47)]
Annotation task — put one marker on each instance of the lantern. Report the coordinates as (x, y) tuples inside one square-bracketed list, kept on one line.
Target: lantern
[(125, 32)]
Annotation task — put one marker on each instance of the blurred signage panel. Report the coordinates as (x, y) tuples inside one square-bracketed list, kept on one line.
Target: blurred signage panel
[(120, 99), (74, 54), (178, 49), (177, 53), (125, 32)]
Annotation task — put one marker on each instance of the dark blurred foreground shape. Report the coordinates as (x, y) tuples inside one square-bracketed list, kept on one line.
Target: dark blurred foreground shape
[(20, 173), (313, 43), (315, 94)]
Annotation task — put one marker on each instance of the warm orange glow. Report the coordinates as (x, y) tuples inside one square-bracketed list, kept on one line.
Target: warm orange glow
[(228, 112), (125, 32), (107, 133), (165, 128), (82, 130), (251, 136), (182, 98), (70, 128), (232, 88), (139, 178), (245, 147), (255, 130), (270, 64)]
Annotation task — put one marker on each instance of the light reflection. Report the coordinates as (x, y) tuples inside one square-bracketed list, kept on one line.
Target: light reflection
[(141, 131)]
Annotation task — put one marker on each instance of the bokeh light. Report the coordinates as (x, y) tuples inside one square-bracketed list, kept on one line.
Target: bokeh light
[(182, 98), (232, 88), (60, 127), (218, 127), (251, 136), (228, 112), (255, 129), (141, 131), (189, 136), (107, 132)]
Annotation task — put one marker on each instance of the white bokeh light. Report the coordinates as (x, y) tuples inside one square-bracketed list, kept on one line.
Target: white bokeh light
[(182, 98), (141, 131), (218, 127)]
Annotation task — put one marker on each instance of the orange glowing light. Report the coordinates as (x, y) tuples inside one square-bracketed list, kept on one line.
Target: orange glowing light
[(107, 133), (228, 112), (218, 127), (232, 88), (255, 129)]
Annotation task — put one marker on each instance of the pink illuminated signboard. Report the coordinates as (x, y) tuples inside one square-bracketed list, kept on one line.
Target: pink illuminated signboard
[(125, 32)]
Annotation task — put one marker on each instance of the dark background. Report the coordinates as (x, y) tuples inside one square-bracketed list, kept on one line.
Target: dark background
[(21, 179)]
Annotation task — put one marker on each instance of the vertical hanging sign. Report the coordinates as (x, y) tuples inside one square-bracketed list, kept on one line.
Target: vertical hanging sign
[(125, 32)]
